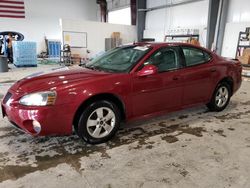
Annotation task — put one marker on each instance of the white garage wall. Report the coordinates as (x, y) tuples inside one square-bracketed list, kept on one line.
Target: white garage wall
[(96, 34), (42, 18), (238, 20), (192, 15), (121, 16), (239, 11)]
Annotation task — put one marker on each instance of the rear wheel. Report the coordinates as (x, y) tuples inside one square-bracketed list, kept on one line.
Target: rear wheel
[(99, 122), (221, 97)]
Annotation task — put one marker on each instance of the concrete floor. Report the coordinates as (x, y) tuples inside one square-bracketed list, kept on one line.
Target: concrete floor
[(191, 148)]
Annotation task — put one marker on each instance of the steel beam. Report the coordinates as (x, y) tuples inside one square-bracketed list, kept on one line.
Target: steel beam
[(133, 11), (141, 18), (222, 26), (104, 10), (213, 13)]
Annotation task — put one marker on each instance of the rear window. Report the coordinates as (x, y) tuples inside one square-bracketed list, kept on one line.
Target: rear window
[(194, 56)]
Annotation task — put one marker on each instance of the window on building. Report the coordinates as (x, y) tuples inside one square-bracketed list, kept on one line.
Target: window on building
[(122, 16)]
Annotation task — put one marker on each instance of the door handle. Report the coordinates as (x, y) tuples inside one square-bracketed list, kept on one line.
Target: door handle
[(176, 78), (213, 70)]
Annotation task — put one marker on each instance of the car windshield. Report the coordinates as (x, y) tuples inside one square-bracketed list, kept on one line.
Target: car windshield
[(119, 60)]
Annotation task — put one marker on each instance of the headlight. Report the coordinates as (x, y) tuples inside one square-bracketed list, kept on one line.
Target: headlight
[(39, 99)]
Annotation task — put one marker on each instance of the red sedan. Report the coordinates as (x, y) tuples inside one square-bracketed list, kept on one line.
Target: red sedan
[(127, 83)]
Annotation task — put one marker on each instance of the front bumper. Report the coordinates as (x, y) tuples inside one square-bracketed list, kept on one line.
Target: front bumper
[(54, 120)]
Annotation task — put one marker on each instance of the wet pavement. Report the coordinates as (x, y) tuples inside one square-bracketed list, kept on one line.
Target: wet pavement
[(190, 148)]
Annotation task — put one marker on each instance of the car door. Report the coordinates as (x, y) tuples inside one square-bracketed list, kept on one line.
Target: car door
[(197, 76), (161, 91)]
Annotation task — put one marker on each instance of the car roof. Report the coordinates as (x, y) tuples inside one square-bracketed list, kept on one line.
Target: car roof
[(166, 44), (161, 44)]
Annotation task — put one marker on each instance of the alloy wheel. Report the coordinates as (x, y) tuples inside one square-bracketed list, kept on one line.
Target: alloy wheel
[(222, 96), (101, 122)]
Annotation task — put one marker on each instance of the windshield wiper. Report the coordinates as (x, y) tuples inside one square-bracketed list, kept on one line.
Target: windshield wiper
[(90, 67), (93, 68), (96, 68)]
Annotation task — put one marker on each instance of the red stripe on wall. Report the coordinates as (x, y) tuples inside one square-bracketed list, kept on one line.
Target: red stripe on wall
[(12, 11), (11, 16), (14, 7), (12, 2)]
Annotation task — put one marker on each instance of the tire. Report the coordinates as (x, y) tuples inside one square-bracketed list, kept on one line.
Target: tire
[(221, 97), (99, 122)]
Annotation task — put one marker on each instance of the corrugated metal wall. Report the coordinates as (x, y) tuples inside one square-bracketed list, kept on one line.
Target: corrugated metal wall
[(192, 16), (238, 19), (117, 4)]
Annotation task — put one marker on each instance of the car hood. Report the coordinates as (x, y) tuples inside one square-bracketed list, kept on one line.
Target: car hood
[(52, 81)]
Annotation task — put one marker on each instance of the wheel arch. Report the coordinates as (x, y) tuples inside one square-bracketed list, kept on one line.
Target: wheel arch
[(229, 81), (103, 96)]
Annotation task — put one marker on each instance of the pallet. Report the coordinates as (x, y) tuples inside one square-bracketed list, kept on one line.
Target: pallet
[(245, 65), (19, 66)]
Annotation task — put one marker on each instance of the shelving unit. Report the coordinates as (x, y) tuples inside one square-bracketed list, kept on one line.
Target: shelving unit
[(181, 36), (240, 47), (65, 56)]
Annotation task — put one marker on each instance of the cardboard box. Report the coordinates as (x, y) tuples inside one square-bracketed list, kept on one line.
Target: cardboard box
[(246, 52), (194, 42), (76, 58), (116, 35), (244, 60)]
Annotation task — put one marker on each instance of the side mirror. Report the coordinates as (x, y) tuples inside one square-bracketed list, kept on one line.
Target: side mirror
[(147, 70)]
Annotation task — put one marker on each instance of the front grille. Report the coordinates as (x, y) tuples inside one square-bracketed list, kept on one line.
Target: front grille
[(7, 97)]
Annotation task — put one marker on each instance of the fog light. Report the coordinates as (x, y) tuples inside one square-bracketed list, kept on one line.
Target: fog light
[(36, 126)]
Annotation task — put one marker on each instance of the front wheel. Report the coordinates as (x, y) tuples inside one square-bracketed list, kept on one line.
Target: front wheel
[(221, 97), (99, 122)]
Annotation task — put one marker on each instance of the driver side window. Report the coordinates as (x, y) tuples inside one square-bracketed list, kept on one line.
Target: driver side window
[(165, 59)]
